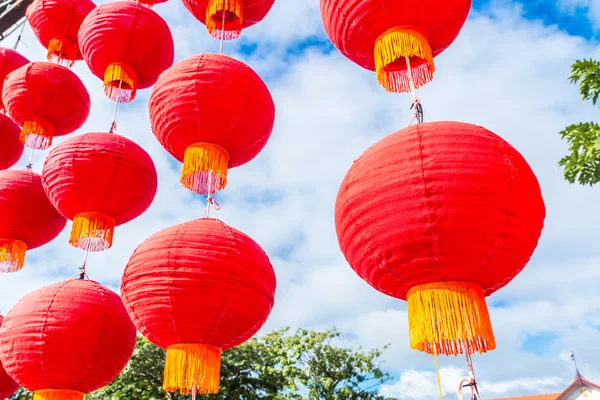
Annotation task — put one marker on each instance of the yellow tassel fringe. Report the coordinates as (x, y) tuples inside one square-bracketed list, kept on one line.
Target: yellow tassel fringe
[(37, 133), (449, 318), (120, 82), (234, 19), (192, 368), (205, 168), (391, 50), (12, 255), (58, 394), (93, 231), (62, 51)]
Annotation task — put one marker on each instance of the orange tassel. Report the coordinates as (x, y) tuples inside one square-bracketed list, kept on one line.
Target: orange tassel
[(449, 318), (12, 255), (192, 368), (391, 50), (92, 231), (234, 21), (58, 394), (37, 133), (62, 51), (120, 82), (205, 168)]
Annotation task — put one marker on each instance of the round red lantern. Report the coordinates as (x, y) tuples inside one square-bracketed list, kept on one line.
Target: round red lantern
[(28, 218), (127, 45), (55, 24), (47, 100), (11, 148), (7, 384), (211, 112), (9, 61), (200, 266), (225, 19), (441, 215), (67, 339), (99, 181), (398, 39)]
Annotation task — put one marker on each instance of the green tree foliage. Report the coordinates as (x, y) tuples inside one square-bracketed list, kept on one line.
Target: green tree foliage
[(279, 366), (583, 163)]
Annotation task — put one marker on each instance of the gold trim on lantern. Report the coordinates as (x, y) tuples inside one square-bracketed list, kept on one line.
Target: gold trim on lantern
[(234, 19), (192, 368), (62, 51), (120, 82), (58, 394), (12, 255), (449, 318), (205, 168), (92, 231), (391, 50), (37, 133)]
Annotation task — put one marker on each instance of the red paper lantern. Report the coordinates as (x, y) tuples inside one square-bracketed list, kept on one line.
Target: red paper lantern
[(67, 339), (47, 100), (99, 181), (127, 45), (225, 19), (380, 35), (28, 218), (441, 215), (197, 289), (149, 3), (9, 61), (55, 24), (211, 112), (7, 384), (11, 148)]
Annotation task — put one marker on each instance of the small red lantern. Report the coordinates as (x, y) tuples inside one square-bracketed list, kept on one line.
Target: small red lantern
[(127, 45), (28, 218), (211, 112), (225, 19), (11, 148), (99, 181), (7, 384), (9, 61), (55, 24), (197, 289), (441, 215), (67, 339), (381, 35), (47, 100)]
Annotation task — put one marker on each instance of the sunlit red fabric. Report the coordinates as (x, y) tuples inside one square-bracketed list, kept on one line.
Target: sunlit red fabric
[(55, 23), (47, 100), (439, 202), (216, 100), (128, 44), (7, 384), (103, 174), (9, 61), (199, 265), (73, 336), (11, 148)]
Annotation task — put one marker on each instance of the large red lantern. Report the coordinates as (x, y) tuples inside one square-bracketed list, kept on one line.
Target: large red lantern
[(99, 181), (47, 100), (211, 112), (67, 339), (28, 218), (441, 215), (127, 45), (7, 384), (11, 148), (197, 289), (55, 23), (9, 61), (225, 19), (398, 39)]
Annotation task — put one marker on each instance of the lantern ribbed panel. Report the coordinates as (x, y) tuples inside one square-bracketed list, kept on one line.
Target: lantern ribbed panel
[(9, 61), (74, 335), (7, 384), (11, 148), (254, 11)]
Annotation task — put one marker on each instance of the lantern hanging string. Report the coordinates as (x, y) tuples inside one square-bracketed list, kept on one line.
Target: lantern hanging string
[(222, 33), (29, 163), (82, 274), (113, 124), (20, 34), (416, 106), (437, 373), (470, 380), (211, 203)]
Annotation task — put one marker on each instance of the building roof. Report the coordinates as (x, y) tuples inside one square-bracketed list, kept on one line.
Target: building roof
[(577, 383), (553, 396)]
